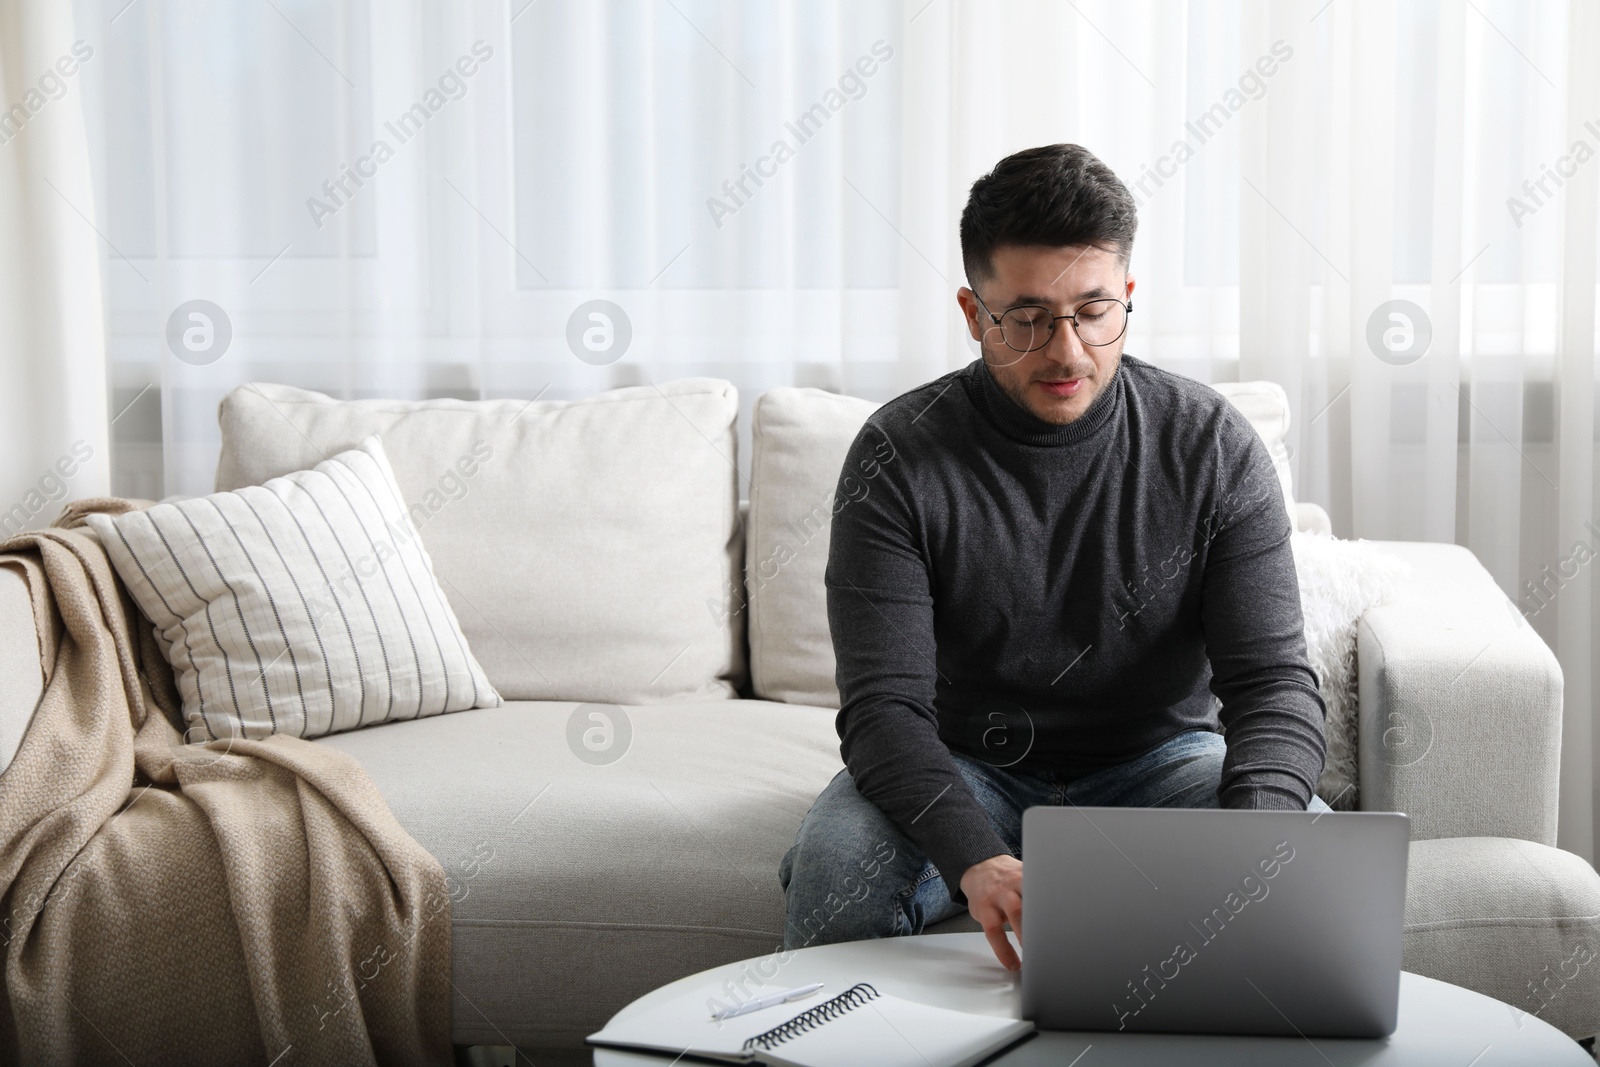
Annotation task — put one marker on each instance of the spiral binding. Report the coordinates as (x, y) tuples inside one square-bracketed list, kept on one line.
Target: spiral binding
[(850, 999)]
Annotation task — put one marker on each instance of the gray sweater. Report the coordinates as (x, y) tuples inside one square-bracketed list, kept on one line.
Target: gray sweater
[(1063, 597)]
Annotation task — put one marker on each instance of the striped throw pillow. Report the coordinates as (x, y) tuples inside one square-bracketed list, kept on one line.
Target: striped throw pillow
[(303, 606)]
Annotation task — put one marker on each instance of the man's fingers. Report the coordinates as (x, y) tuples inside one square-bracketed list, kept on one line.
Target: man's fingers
[(1002, 947)]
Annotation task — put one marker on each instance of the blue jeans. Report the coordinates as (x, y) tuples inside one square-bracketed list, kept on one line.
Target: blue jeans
[(852, 874)]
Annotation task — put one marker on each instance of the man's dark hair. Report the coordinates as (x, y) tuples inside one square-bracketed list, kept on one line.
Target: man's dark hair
[(1055, 195)]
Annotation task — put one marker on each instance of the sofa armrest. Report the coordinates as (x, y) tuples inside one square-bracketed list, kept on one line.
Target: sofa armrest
[(1460, 704), (21, 680)]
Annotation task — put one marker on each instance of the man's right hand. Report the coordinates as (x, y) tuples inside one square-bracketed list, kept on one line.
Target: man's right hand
[(994, 897)]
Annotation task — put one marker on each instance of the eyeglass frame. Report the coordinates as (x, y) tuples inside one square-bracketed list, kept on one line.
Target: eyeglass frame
[(1127, 306)]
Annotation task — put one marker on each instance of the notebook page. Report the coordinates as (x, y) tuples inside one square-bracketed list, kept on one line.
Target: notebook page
[(886, 1031)]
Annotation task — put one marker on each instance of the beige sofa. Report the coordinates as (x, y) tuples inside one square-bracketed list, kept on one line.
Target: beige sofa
[(665, 658)]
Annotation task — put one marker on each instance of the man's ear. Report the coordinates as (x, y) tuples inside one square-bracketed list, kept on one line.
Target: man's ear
[(1128, 295), (969, 308)]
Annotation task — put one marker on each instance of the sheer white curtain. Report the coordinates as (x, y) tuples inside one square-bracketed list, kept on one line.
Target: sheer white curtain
[(1442, 154), (1299, 165), (53, 419), (267, 159)]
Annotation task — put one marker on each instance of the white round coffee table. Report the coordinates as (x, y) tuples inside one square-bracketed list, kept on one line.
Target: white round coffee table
[(1439, 1023)]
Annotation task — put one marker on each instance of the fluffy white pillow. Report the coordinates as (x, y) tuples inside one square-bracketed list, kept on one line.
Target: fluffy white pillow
[(1339, 582), (303, 606)]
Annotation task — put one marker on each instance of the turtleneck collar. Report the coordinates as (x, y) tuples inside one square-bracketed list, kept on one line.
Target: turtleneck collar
[(1020, 424)]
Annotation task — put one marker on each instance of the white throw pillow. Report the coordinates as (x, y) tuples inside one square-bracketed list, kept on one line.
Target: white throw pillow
[(591, 548), (304, 606), (1339, 582)]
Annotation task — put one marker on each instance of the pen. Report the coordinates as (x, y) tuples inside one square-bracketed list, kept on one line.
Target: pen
[(767, 1001)]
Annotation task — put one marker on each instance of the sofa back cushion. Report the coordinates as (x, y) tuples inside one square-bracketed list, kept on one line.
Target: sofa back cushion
[(590, 548), (1266, 405), (799, 440)]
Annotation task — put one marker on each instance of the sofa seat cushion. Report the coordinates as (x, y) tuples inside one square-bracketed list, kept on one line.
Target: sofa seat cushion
[(581, 885), (1511, 919)]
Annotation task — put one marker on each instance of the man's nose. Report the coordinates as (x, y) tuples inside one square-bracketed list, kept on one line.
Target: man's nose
[(1064, 344)]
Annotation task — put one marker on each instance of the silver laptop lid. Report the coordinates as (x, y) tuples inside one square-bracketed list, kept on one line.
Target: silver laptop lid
[(1191, 920)]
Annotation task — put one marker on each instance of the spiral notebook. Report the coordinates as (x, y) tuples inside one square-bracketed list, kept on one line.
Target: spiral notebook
[(860, 1027)]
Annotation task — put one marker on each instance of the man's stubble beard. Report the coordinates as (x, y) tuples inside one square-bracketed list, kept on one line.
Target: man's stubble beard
[(1019, 391)]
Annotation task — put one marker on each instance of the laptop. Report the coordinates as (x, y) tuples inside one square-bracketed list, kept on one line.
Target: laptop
[(1207, 921)]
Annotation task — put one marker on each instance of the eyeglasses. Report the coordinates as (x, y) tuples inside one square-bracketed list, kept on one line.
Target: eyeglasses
[(1029, 327)]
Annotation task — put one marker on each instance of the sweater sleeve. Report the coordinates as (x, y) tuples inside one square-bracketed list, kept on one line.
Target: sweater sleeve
[(880, 613), (1272, 714)]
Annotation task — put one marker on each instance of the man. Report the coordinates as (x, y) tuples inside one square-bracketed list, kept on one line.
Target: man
[(1068, 559)]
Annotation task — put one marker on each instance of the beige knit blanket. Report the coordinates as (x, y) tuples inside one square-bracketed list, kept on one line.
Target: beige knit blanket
[(246, 902)]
